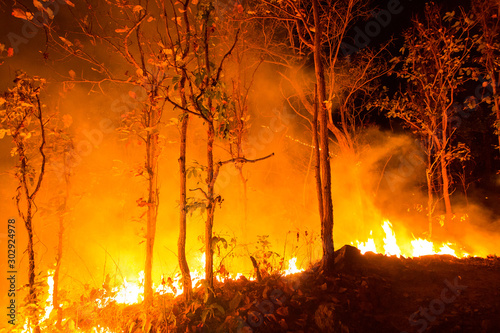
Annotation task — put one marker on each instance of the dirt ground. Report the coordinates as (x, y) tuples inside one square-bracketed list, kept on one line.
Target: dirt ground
[(372, 293)]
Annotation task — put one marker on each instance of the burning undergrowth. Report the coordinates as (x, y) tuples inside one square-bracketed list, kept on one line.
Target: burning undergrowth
[(371, 292)]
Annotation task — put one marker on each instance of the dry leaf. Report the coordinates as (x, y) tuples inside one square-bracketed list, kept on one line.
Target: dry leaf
[(67, 42), (122, 30), (69, 3), (19, 13)]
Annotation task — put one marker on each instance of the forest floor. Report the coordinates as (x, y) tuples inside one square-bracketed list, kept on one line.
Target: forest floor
[(367, 293)]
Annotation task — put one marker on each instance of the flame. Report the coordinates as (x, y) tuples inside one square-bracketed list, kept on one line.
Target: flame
[(129, 292), (50, 297), (419, 246), (369, 246), (391, 248), (292, 267)]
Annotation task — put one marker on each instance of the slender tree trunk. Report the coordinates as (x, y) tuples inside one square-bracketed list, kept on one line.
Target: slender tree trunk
[(32, 294), (23, 191), (430, 197), (152, 202), (327, 221), (446, 186), (496, 100), (181, 243), (317, 157), (55, 295), (209, 252), (444, 168)]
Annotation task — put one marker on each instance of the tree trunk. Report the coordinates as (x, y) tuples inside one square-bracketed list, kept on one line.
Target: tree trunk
[(496, 100), (317, 167), (327, 221), (430, 197), (181, 243), (55, 295), (152, 202), (446, 186), (32, 295), (209, 253), (28, 223)]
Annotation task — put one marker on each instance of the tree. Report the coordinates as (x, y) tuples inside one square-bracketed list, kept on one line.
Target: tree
[(488, 23), (200, 91), (434, 67), (22, 118), (314, 32), (142, 116), (60, 148)]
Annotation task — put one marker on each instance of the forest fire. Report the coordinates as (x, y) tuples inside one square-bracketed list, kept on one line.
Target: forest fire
[(202, 165)]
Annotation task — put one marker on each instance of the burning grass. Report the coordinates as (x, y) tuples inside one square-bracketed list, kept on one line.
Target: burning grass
[(275, 303), (367, 293)]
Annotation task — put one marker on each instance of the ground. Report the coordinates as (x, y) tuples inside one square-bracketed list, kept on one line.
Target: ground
[(366, 293)]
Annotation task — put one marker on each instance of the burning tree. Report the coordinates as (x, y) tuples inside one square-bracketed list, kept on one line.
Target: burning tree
[(434, 67), (22, 118)]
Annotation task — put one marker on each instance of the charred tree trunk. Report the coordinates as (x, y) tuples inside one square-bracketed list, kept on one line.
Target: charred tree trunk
[(327, 220)]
